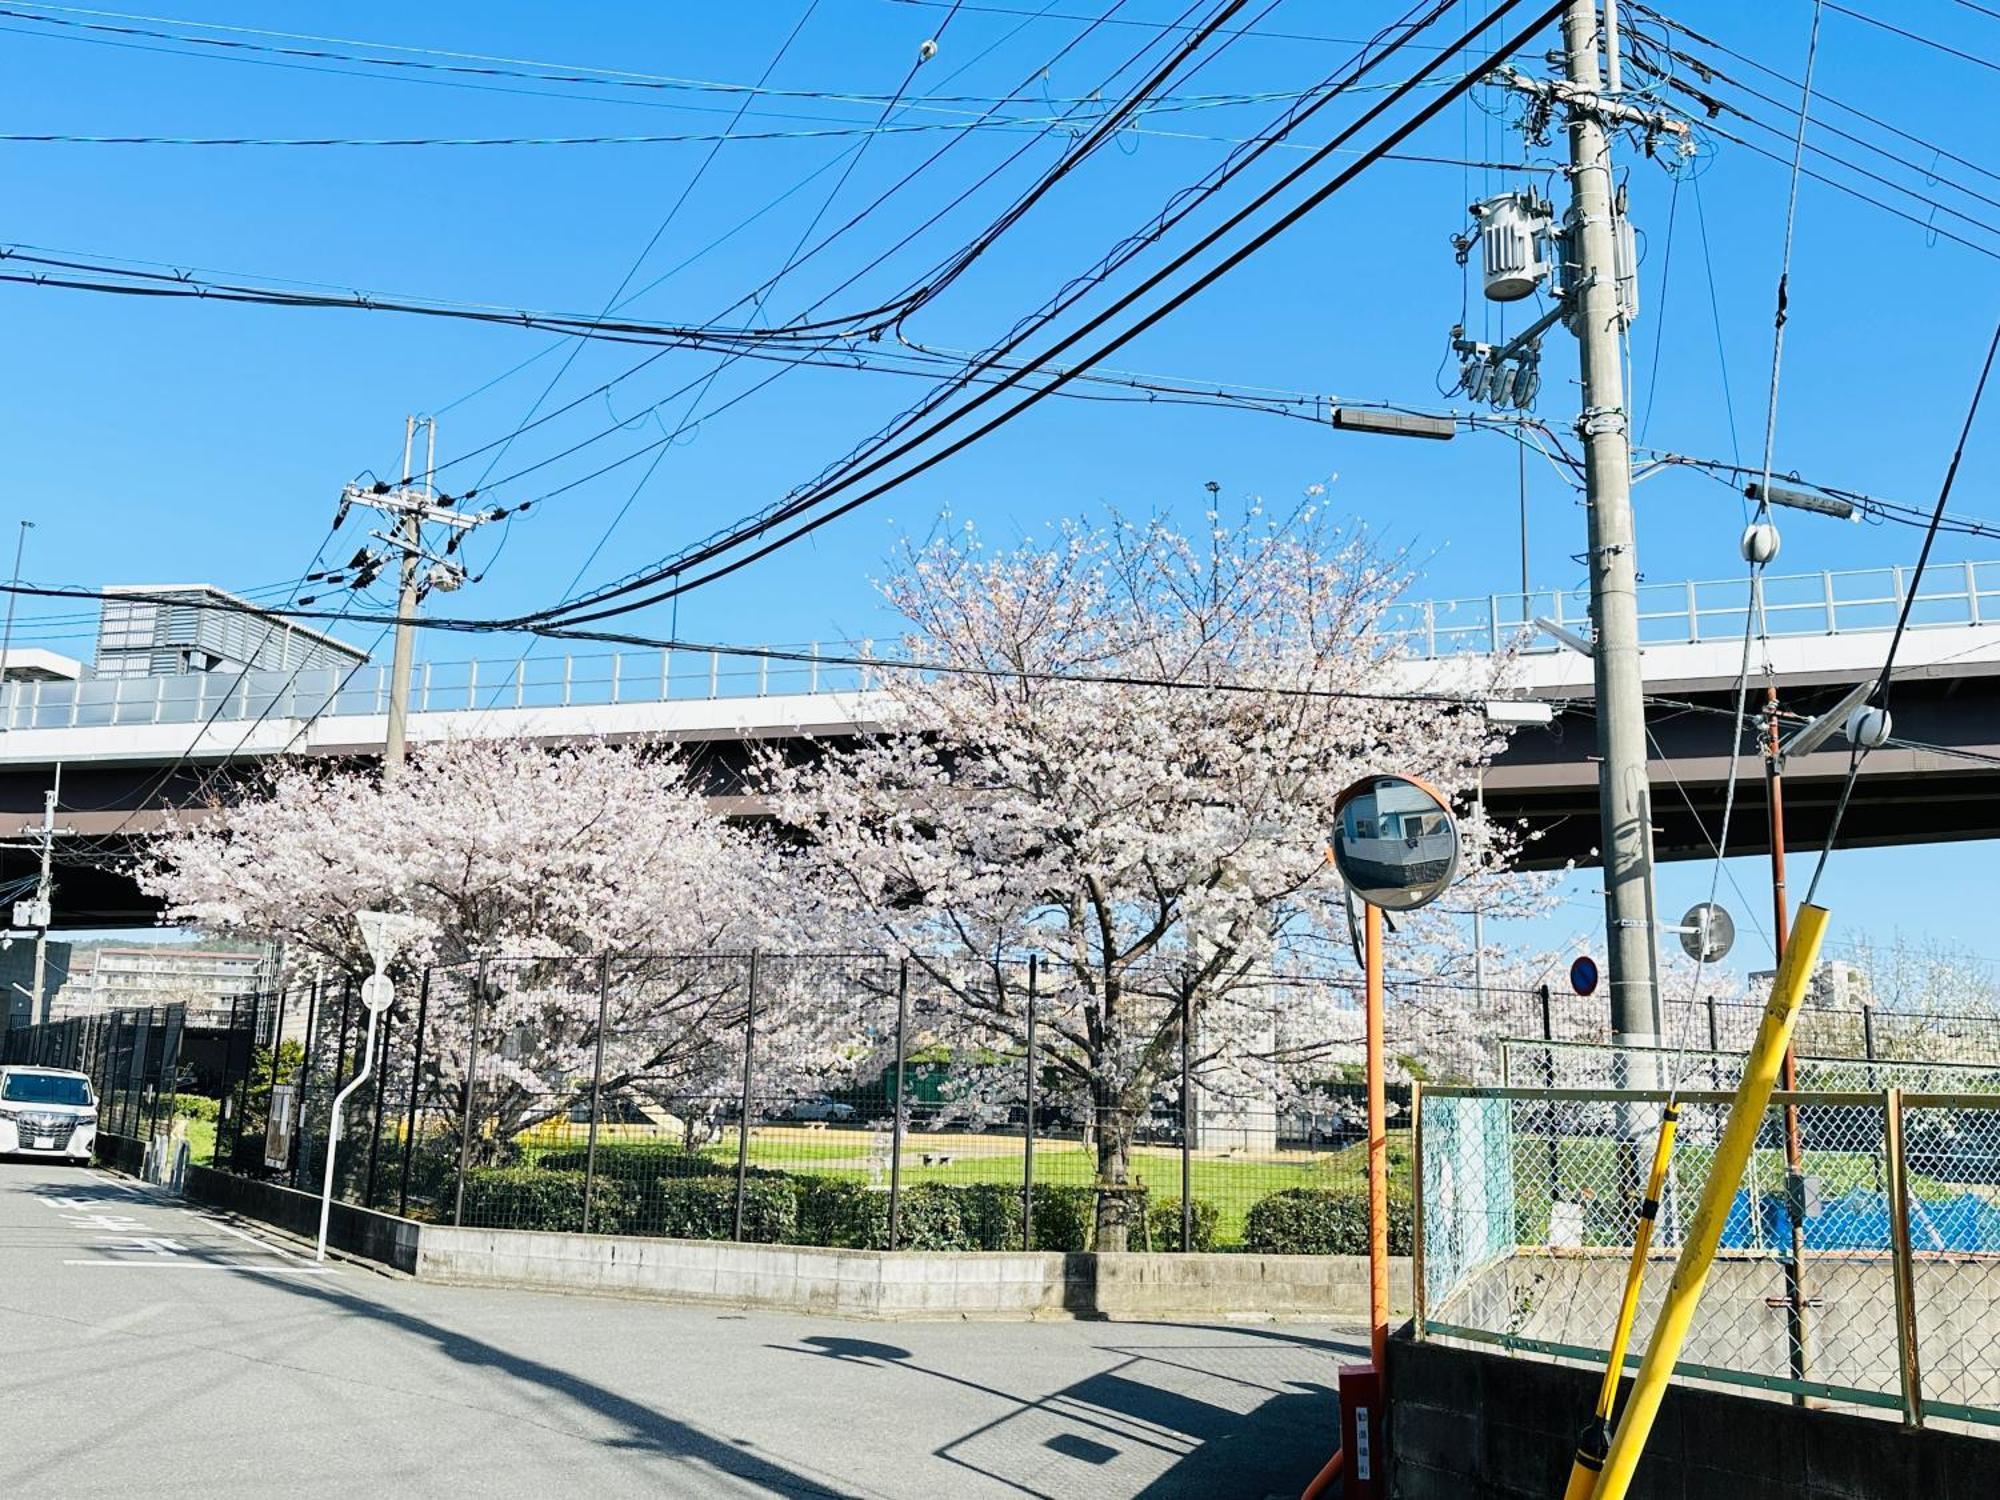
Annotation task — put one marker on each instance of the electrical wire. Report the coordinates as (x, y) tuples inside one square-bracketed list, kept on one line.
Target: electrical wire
[(854, 469), (1883, 682)]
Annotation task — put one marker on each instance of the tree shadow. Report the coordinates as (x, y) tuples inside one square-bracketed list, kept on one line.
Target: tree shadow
[(644, 1430)]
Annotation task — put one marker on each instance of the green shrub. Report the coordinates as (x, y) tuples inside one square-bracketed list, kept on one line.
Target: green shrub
[(634, 1161), (196, 1106), (1322, 1221), (533, 1198), (1163, 1226), (989, 1214), (839, 1213), (703, 1208), (1066, 1218), (928, 1218)]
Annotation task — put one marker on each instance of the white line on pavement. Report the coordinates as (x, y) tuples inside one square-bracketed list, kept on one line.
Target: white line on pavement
[(156, 1264)]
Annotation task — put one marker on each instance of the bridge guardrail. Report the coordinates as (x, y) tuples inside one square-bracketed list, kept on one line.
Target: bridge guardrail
[(1798, 604)]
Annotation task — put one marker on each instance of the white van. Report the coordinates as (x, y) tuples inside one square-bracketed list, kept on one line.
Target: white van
[(47, 1112)]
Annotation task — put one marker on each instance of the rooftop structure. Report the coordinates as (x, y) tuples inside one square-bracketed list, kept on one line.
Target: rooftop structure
[(172, 630)]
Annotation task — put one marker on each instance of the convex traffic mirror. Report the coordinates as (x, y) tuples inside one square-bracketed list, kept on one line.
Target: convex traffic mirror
[(1395, 842)]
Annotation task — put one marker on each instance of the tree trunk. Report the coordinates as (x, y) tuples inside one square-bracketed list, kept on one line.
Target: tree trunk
[(1116, 1195)]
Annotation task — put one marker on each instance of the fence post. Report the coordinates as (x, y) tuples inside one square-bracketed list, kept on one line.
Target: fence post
[(896, 1120), (1028, 1154), (471, 1079), (249, 1066), (1418, 1304), (596, 1084), (1187, 1116), (1868, 1031), (277, 1051), (416, 1081), (305, 1074), (376, 1082), (743, 1117), (1899, 1241), (1548, 1014)]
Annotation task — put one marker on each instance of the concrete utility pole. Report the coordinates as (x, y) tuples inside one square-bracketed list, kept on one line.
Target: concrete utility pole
[(407, 508), (1625, 803), (409, 537), (45, 833)]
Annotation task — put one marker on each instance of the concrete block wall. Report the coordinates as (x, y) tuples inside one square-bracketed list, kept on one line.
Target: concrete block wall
[(1469, 1424), (846, 1283)]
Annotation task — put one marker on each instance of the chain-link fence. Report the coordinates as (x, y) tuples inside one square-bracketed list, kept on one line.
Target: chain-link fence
[(1868, 1274), (814, 1099)]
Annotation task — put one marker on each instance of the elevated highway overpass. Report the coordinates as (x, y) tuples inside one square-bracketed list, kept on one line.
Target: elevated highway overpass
[(134, 750)]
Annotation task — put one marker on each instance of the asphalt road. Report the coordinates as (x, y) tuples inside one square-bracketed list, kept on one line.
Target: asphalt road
[(148, 1349)]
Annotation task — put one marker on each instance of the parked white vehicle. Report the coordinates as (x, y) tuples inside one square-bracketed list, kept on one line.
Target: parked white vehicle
[(47, 1112)]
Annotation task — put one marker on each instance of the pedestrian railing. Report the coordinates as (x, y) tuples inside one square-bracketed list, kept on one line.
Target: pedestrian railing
[(1868, 1278)]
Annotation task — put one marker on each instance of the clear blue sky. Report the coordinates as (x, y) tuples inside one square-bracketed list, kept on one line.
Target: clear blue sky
[(173, 441)]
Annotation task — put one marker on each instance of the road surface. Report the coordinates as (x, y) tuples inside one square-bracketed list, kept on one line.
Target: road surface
[(149, 1349)]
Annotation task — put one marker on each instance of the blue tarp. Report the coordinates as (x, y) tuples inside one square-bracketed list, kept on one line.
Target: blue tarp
[(1860, 1221)]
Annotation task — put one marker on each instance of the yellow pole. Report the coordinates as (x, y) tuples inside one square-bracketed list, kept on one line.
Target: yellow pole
[(1596, 1439), (1739, 1136)]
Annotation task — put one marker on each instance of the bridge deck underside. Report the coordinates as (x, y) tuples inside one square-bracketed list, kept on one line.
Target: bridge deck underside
[(1939, 783)]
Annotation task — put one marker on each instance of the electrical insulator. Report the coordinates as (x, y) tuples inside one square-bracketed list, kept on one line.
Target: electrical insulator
[(1512, 230), (1760, 543), (1868, 727), (1625, 264)]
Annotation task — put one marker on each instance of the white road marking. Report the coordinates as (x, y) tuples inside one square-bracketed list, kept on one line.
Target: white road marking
[(155, 1264), (262, 1244)]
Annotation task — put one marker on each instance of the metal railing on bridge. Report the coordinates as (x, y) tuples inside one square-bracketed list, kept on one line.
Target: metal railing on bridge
[(1798, 604), (1795, 604)]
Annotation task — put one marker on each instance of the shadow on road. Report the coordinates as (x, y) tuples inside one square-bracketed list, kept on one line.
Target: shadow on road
[(1270, 1441)]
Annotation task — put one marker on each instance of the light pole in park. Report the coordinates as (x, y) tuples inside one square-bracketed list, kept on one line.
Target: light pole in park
[(1395, 843), (386, 934)]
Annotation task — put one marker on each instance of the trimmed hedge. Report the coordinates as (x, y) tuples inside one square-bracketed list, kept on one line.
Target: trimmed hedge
[(1323, 1221), (704, 1208), (1163, 1226), (534, 1198), (845, 1214), (196, 1107), (645, 1161)]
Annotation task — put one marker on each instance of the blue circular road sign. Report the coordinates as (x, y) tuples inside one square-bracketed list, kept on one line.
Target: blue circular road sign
[(1583, 975)]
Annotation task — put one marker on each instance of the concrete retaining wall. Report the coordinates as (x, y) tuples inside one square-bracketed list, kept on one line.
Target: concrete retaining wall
[(907, 1284), (1467, 1424), (849, 1283), (122, 1153), (358, 1231)]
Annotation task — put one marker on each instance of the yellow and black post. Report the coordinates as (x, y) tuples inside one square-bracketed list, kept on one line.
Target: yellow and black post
[(1595, 1442)]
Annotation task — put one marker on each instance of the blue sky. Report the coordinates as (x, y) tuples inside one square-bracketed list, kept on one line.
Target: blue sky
[(170, 441)]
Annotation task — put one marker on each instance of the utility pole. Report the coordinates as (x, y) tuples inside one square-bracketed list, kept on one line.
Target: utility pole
[(1625, 808), (38, 912), (409, 538), (408, 509)]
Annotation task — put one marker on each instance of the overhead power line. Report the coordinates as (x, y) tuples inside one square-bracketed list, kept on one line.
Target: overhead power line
[(595, 606)]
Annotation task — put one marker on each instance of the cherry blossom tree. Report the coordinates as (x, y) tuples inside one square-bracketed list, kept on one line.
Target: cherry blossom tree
[(1124, 763), (552, 883)]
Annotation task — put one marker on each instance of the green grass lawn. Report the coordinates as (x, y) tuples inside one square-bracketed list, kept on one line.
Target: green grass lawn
[(1232, 1182)]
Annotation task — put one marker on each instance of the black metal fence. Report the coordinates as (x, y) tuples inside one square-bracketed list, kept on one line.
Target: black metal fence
[(814, 1100), (132, 1057)]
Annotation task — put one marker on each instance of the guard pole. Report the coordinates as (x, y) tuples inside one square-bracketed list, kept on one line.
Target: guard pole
[(1378, 1151), (1596, 1439), (1739, 1137), (1795, 1181)]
